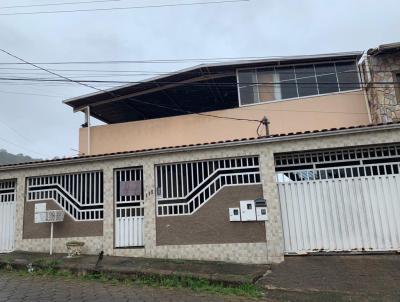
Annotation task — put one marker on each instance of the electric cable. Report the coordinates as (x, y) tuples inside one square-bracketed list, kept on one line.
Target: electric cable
[(115, 95), (124, 8)]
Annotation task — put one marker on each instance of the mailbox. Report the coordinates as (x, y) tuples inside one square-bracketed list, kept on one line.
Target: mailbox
[(247, 210), (261, 209), (40, 208), (234, 214), (262, 214)]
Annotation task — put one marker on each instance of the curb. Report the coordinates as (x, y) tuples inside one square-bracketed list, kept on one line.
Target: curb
[(121, 274)]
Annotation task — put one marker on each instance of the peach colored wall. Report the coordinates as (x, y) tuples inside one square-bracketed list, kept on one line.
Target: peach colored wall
[(336, 110)]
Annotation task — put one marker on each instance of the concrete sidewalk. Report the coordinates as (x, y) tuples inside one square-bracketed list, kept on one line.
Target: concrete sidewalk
[(227, 273), (335, 278)]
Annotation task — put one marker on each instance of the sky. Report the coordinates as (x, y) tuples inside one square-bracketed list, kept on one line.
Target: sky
[(33, 119)]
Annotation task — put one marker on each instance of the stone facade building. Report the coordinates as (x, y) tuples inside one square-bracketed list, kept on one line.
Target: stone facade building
[(382, 77)]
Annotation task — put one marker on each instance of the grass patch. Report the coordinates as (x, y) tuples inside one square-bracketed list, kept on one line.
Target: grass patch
[(201, 285), (49, 269)]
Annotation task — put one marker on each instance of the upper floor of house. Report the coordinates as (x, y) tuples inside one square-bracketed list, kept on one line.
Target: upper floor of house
[(214, 102)]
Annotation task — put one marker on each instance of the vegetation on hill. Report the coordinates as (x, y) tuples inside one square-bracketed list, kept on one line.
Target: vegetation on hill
[(9, 158)]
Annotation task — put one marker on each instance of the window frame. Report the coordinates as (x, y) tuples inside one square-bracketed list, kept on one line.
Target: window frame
[(299, 97)]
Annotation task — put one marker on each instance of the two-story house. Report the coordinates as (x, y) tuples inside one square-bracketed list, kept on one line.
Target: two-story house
[(186, 165), (217, 102)]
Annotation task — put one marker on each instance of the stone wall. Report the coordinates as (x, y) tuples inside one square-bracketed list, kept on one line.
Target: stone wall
[(384, 99)]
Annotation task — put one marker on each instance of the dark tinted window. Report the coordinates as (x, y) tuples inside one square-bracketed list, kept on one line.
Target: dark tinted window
[(327, 83), (246, 77), (305, 71), (285, 73), (307, 86), (348, 80), (289, 89), (247, 87), (321, 69), (346, 66)]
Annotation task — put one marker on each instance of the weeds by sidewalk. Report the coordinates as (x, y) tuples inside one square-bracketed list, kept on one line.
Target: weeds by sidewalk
[(49, 268)]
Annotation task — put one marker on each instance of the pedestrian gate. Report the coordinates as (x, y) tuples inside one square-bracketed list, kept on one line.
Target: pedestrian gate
[(7, 215), (129, 207), (340, 200)]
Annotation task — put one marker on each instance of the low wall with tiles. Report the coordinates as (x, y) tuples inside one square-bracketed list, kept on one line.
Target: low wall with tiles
[(93, 245), (271, 250)]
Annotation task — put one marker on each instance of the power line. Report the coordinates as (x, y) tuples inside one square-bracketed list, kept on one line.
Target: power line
[(57, 4), (215, 59), (115, 95), (220, 84), (124, 8), (35, 94)]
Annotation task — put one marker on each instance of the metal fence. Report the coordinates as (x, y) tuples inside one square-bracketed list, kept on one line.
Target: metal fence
[(129, 208), (182, 188), (79, 194), (7, 215)]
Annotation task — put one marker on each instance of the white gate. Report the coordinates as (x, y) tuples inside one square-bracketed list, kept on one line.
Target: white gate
[(129, 208), (7, 216), (353, 206)]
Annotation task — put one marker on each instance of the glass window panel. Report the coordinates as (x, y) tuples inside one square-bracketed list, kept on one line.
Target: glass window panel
[(324, 68), (248, 95), (267, 90), (327, 83), (307, 86), (305, 71), (247, 87), (346, 66), (348, 80), (247, 77), (288, 89), (285, 73)]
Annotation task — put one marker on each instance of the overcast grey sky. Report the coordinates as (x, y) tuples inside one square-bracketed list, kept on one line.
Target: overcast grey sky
[(33, 119)]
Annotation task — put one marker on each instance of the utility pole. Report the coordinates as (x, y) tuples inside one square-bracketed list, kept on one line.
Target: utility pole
[(266, 123)]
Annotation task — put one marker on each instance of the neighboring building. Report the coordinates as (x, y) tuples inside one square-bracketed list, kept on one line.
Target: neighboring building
[(301, 93), (175, 185), (381, 73)]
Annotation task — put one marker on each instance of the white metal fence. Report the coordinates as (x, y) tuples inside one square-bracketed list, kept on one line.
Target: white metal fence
[(351, 203), (182, 188), (7, 215), (129, 209), (79, 194)]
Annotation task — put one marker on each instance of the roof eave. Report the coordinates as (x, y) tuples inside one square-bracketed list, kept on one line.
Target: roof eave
[(277, 60)]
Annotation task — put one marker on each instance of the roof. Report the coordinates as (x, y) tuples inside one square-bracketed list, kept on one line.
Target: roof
[(384, 49), (242, 141), (202, 88)]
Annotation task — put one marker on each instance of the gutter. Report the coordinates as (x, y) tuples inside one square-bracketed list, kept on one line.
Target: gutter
[(254, 141)]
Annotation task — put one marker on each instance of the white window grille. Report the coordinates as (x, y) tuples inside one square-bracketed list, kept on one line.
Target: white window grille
[(129, 209), (79, 194), (7, 190), (338, 163), (182, 188)]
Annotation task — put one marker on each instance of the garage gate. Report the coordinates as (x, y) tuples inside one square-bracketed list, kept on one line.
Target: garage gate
[(340, 200), (7, 215)]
